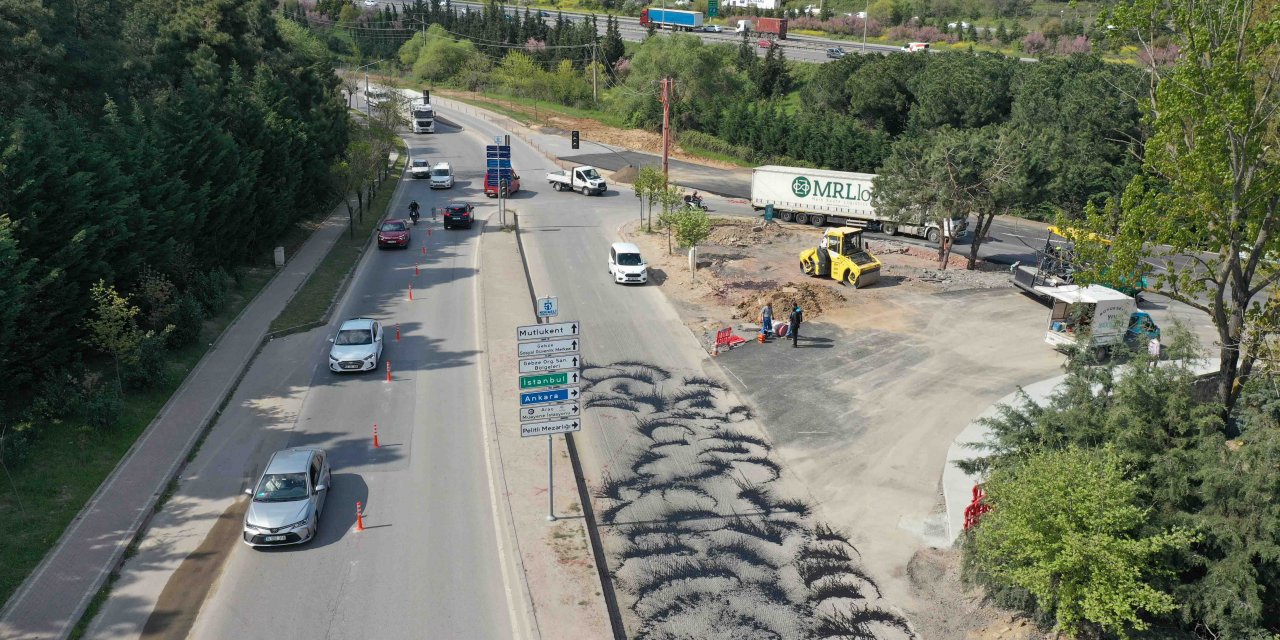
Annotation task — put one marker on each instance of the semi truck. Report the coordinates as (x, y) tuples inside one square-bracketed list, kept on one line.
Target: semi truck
[(773, 26), (675, 19), (422, 118), (819, 197)]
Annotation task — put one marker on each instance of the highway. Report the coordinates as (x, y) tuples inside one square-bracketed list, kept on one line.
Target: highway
[(429, 557)]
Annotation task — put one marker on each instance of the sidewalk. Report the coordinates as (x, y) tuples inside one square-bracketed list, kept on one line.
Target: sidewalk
[(558, 572), (957, 486), (52, 599)]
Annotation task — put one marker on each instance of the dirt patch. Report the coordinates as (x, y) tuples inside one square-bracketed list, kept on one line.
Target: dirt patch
[(813, 298), (637, 139), (955, 610)]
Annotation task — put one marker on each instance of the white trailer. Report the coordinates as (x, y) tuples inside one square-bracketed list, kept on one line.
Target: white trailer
[(819, 197), (1095, 317)]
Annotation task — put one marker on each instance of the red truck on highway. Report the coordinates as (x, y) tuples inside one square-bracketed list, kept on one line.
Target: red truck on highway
[(773, 26)]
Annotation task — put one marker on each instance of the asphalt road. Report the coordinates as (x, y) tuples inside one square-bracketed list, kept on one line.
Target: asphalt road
[(428, 558)]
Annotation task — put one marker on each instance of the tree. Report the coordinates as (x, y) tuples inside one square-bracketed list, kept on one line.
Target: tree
[(692, 226), (1066, 526), (114, 328), (612, 48), (649, 182), (951, 173), (1212, 164)]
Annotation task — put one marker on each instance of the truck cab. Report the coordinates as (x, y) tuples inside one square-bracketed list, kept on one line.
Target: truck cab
[(422, 117)]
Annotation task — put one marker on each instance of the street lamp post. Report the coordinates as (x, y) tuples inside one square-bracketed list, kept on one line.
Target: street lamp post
[(866, 15), (367, 108)]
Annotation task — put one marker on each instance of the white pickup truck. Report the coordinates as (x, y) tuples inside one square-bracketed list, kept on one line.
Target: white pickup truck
[(582, 179)]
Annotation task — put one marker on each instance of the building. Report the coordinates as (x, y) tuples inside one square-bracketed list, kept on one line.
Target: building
[(763, 5)]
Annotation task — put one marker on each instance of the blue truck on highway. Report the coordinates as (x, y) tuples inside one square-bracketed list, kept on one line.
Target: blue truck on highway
[(675, 19)]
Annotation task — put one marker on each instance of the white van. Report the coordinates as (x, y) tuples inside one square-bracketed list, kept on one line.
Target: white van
[(912, 47), (442, 176), (625, 264)]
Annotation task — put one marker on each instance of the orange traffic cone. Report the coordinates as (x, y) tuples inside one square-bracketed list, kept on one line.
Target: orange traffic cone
[(359, 517), (388, 371), (415, 269), (375, 436), (411, 293)]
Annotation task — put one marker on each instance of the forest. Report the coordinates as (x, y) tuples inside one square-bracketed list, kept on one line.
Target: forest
[(138, 175)]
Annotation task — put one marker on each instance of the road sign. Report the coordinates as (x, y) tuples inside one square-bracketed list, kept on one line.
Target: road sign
[(548, 396), (550, 363), (539, 380), (548, 307), (556, 330), (548, 347), (530, 429), (549, 412), (497, 151), (713, 8)]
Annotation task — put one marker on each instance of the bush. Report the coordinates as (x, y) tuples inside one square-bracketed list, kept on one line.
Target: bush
[(186, 318), (211, 289), (146, 367), (700, 140), (15, 441), (103, 407)]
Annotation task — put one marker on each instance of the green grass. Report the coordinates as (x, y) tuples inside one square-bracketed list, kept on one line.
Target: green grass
[(699, 152), (40, 496), (519, 108), (308, 306)]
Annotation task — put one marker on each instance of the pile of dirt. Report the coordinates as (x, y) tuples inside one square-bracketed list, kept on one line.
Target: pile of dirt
[(813, 298), (744, 232)]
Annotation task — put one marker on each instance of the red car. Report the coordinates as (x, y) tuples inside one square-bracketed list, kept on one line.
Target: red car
[(491, 188), (765, 44), (457, 214), (393, 233)]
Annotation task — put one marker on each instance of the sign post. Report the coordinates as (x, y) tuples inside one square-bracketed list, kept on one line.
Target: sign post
[(549, 365), (498, 172)]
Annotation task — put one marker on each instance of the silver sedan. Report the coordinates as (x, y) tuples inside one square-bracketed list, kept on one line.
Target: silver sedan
[(288, 499)]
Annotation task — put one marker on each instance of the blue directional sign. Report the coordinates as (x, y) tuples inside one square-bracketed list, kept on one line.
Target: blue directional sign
[(548, 396), (503, 173), (497, 151)]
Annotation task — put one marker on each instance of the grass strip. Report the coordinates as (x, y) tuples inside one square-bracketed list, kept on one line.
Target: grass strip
[(310, 305), (69, 460)]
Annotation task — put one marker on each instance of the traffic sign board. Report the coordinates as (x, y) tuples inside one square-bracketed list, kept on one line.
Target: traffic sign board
[(549, 412), (539, 380), (548, 396), (530, 429), (548, 307), (497, 151), (556, 330), (549, 363), (548, 347), (497, 163)]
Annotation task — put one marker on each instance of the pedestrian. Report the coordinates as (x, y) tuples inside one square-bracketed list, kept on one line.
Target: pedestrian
[(766, 319), (1153, 350), (797, 316)]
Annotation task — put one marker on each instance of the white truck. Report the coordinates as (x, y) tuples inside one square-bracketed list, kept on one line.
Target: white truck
[(583, 179), (818, 197), (422, 117), (1097, 318)]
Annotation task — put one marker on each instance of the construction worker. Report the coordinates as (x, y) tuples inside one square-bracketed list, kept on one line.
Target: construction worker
[(766, 320), (797, 316)]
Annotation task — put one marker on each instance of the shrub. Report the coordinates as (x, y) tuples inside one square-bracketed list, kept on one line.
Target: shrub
[(211, 289), (15, 441), (147, 365), (1034, 44), (102, 407), (186, 318), (700, 140)]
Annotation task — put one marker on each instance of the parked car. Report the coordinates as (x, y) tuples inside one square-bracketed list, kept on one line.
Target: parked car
[(836, 53), (913, 47), (713, 28), (357, 346), (764, 44), (491, 187), (370, 3), (288, 499), (458, 214), (393, 233), (625, 264), (442, 176), (419, 168)]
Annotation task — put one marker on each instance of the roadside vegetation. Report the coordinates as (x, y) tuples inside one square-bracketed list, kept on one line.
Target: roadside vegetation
[(143, 183)]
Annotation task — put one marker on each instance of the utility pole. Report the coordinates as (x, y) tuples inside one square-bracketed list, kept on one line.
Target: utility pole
[(666, 126), (866, 16), (595, 89)]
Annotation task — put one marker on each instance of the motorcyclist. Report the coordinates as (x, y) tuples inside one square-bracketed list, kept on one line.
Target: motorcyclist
[(413, 211)]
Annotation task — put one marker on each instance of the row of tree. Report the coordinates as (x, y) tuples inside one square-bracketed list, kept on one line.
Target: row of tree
[(149, 167)]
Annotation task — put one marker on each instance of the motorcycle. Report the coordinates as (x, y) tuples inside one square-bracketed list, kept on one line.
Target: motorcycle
[(695, 202), (414, 215)]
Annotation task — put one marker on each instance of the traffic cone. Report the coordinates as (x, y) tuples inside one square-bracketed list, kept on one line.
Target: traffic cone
[(388, 371), (397, 332), (424, 247), (410, 292), (761, 337), (375, 436), (415, 269), (359, 517)]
